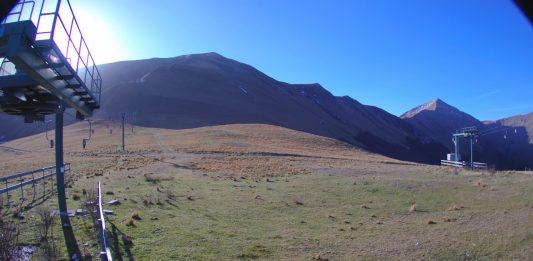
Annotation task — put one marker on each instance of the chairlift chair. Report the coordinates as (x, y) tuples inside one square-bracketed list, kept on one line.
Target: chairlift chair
[(85, 140)]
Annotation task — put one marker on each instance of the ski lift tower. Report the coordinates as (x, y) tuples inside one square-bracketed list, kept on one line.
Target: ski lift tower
[(467, 132), (46, 66)]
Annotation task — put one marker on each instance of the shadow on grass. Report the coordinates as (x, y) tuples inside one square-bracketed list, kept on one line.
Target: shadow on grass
[(23, 203), (120, 244)]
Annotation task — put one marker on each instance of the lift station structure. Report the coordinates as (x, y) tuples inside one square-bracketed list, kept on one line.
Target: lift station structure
[(454, 159), (468, 132), (46, 66), (46, 62)]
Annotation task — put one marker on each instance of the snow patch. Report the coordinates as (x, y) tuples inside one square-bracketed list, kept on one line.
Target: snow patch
[(244, 90), (143, 79)]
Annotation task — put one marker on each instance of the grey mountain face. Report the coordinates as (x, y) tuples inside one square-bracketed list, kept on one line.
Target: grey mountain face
[(505, 144), (208, 89)]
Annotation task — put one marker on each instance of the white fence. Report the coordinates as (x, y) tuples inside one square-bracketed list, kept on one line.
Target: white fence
[(105, 252), (462, 164)]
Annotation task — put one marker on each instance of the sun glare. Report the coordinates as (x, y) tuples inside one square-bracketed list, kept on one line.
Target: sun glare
[(101, 37)]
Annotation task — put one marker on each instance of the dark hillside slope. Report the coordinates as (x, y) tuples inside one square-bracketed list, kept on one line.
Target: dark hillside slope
[(439, 120), (505, 144), (209, 89)]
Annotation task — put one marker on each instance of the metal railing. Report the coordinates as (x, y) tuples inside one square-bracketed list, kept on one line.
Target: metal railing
[(451, 163), (55, 20), (105, 252), (17, 183), (462, 164), (479, 165), (7, 67)]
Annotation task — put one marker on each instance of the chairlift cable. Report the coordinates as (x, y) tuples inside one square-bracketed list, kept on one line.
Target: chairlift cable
[(491, 129), (496, 131)]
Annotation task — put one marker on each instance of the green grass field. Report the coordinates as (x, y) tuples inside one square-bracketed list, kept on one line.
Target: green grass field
[(183, 205)]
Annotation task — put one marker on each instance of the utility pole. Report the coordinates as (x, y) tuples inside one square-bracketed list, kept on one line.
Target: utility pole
[(132, 119), (123, 115), (456, 143), (471, 152), (70, 240)]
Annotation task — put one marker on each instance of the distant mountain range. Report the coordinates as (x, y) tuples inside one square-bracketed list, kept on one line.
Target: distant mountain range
[(505, 143), (208, 89)]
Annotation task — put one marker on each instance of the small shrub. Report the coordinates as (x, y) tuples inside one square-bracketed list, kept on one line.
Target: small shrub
[(87, 255), (48, 251), (455, 208), (8, 242), (135, 215), (317, 256), (18, 213), (447, 219), (412, 208), (76, 196), (89, 202), (45, 222), (158, 199), (170, 195), (372, 190), (130, 222), (126, 240), (150, 177)]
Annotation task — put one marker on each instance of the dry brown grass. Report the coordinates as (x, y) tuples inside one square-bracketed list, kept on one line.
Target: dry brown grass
[(249, 166), (256, 154), (234, 209)]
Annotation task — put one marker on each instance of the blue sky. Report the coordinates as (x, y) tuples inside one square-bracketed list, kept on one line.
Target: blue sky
[(474, 54)]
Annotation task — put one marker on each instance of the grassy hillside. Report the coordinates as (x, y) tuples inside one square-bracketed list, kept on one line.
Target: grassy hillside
[(243, 192)]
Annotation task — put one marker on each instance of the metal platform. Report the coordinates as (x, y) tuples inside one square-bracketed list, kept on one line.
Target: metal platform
[(45, 62), (45, 67)]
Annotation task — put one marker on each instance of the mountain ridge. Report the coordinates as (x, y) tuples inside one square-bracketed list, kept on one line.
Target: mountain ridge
[(504, 143), (209, 89)]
